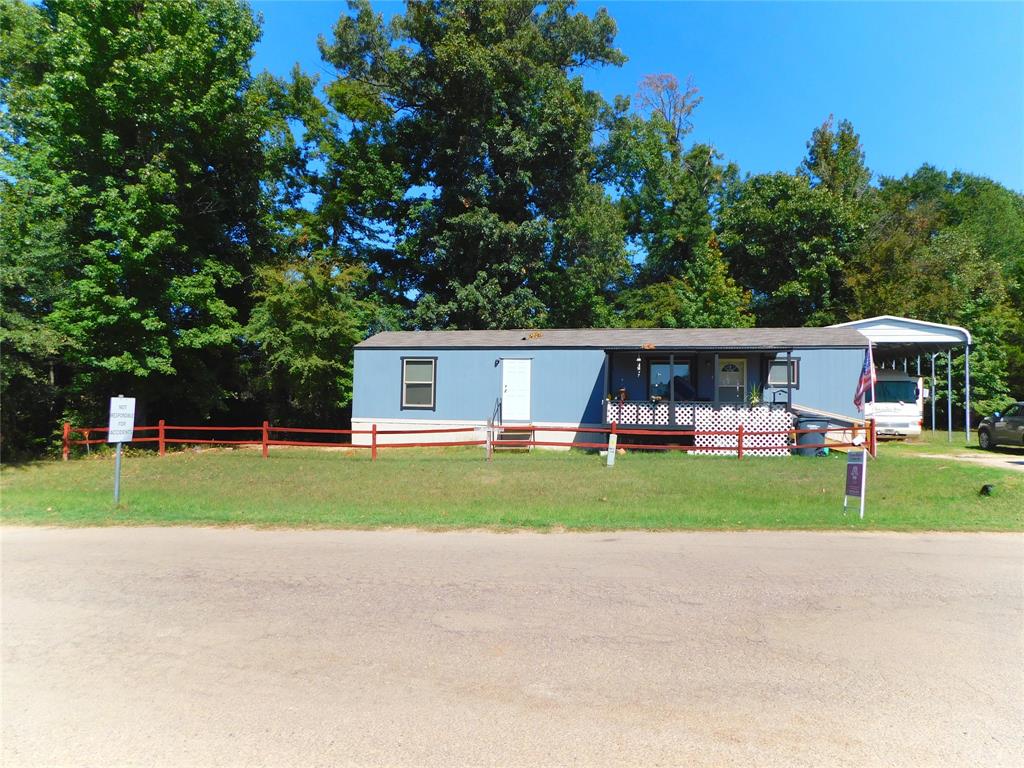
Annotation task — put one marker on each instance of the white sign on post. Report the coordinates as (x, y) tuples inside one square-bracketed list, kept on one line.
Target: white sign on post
[(122, 420), (120, 429)]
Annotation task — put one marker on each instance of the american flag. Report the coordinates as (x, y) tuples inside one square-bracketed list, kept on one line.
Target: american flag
[(866, 383)]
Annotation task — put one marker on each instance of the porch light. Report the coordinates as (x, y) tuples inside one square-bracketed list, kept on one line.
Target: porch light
[(638, 366)]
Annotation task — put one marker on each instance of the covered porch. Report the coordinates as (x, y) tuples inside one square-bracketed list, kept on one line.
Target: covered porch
[(671, 388)]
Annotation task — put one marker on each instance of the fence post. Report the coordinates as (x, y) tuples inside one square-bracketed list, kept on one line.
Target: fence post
[(490, 442), (872, 439), (266, 439), (373, 442), (160, 437), (66, 443), (739, 441)]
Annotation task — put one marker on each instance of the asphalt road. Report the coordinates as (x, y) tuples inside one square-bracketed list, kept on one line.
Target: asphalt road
[(203, 647)]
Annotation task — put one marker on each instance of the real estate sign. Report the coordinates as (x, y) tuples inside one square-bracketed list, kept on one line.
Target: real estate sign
[(856, 477)]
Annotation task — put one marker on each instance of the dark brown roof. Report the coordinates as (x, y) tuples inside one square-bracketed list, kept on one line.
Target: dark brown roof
[(621, 338)]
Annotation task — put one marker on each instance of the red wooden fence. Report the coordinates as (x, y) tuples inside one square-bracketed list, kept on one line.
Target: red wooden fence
[(266, 439)]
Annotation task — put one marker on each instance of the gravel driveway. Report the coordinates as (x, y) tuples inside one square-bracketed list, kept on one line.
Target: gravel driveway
[(1000, 459), (227, 647)]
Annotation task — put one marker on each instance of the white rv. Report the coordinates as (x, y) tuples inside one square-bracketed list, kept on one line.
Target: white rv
[(898, 407)]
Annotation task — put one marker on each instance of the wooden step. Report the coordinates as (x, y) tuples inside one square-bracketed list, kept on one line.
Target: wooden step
[(511, 433)]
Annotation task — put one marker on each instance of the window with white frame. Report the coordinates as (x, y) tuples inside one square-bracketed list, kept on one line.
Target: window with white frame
[(419, 379), (777, 373)]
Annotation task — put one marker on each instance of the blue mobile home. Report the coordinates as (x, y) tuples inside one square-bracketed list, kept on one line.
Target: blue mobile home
[(695, 378)]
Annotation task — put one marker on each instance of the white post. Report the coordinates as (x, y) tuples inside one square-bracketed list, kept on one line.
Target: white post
[(932, 398), (871, 365), (967, 393), (949, 396), (863, 484)]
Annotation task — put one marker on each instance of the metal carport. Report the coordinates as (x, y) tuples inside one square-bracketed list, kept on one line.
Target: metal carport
[(893, 338)]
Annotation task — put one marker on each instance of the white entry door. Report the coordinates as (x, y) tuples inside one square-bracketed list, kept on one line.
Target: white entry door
[(515, 389), (732, 380)]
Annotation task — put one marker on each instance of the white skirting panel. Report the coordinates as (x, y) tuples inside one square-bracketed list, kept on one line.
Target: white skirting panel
[(479, 432), (411, 425)]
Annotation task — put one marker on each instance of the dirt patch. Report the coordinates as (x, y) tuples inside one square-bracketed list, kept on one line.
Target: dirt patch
[(997, 460)]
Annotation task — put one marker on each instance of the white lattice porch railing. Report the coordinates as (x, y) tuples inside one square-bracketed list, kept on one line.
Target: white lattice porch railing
[(649, 413), (704, 417)]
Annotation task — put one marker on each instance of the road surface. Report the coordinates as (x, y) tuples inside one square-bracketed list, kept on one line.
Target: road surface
[(234, 647)]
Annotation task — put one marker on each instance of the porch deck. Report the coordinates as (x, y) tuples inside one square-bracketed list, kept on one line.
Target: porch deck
[(681, 414)]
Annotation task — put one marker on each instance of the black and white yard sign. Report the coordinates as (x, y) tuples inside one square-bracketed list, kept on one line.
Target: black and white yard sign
[(122, 420), (120, 429)]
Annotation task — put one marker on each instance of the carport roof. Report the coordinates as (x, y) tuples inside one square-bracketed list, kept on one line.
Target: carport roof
[(623, 338), (907, 336)]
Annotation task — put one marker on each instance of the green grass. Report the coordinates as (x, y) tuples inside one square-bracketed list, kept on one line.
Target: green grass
[(456, 488), (934, 443)]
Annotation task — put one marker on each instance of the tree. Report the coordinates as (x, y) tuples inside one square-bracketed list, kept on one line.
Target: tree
[(668, 195), (132, 150), (332, 279), (704, 297), (922, 257), (661, 95), (994, 217), (835, 160), (308, 317), (494, 135), (790, 243)]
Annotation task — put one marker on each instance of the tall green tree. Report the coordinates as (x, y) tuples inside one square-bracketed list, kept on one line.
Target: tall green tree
[(494, 127), (993, 216), (789, 244), (835, 160), (668, 194), (333, 277), (133, 152), (789, 238), (306, 320), (925, 257)]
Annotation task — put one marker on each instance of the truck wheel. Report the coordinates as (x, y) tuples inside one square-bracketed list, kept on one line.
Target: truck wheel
[(985, 440)]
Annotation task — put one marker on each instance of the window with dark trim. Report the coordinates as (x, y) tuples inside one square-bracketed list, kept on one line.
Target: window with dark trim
[(658, 374), (777, 373), (419, 379)]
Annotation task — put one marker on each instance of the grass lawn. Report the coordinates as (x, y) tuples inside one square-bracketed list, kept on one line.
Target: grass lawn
[(934, 442), (456, 488)]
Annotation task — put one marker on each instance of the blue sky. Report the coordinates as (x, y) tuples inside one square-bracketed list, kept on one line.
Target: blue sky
[(922, 82)]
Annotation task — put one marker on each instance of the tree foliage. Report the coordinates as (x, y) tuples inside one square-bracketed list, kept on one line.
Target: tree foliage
[(668, 195), (493, 132), (132, 159), (835, 160), (925, 258), (307, 318), (174, 227), (790, 244)]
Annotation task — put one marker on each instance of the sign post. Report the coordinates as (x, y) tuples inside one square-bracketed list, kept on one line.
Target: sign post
[(121, 427), (856, 477)]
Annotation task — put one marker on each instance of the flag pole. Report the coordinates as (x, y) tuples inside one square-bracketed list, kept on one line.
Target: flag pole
[(874, 416), (871, 362)]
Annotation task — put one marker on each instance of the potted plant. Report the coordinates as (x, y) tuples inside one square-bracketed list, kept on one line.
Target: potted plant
[(754, 398)]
